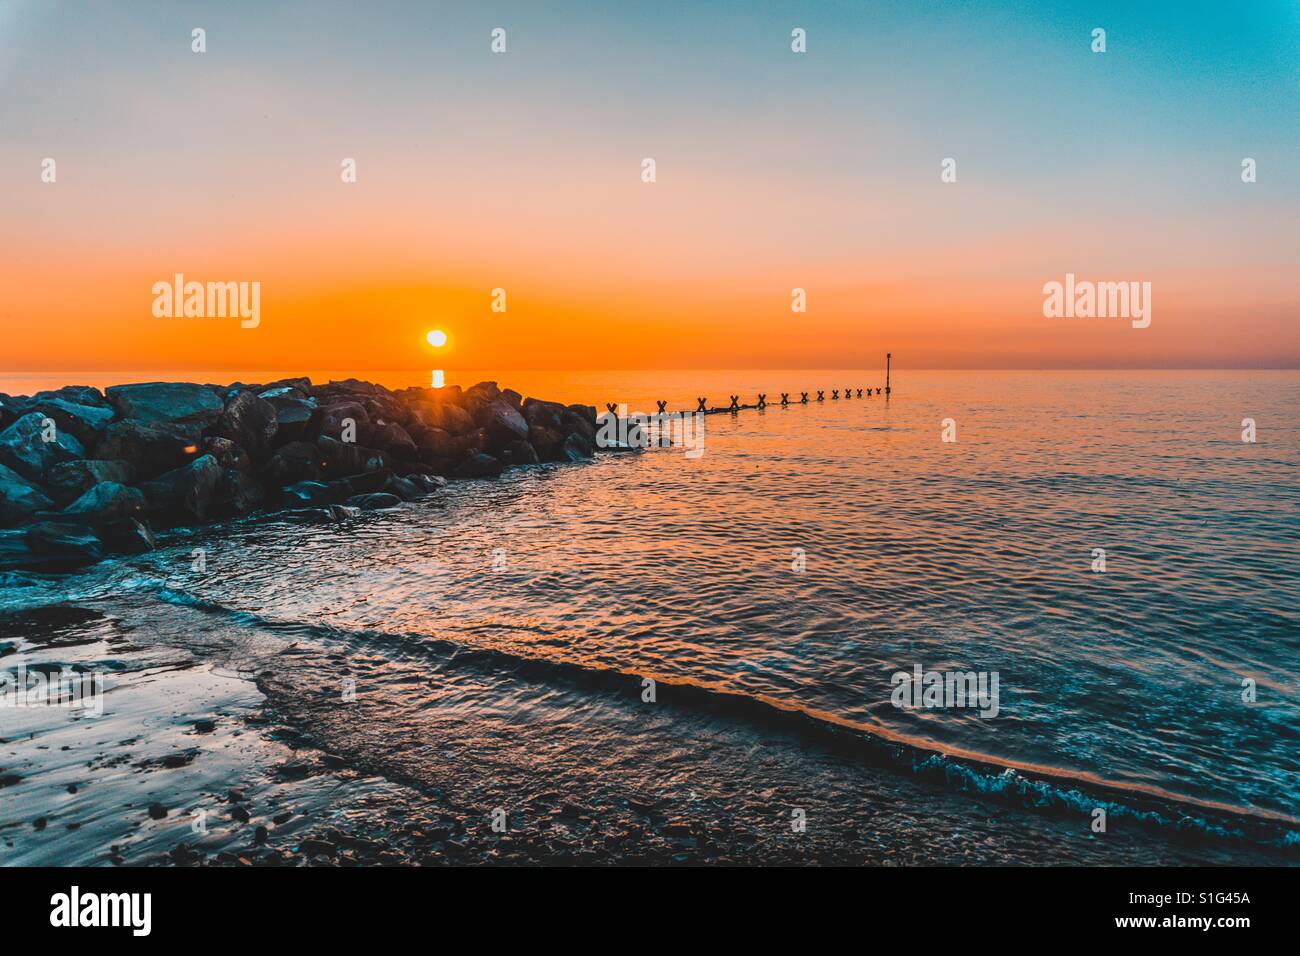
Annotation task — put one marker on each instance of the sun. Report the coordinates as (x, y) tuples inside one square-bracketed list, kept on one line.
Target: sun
[(437, 338)]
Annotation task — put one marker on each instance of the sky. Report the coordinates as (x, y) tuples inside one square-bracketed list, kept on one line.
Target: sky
[(775, 170)]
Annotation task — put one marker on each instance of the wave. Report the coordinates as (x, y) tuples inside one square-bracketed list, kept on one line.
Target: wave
[(1028, 786)]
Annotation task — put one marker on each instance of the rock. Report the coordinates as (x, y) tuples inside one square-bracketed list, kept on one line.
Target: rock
[(374, 502), (185, 492), (577, 447), (393, 439), (434, 444), (150, 449), (240, 493), (311, 494), (339, 458), (368, 482), (428, 483), (157, 811), (128, 536), (10, 409), (15, 553), (19, 498), (76, 394), (228, 454), (63, 546), (548, 442), (240, 814), (70, 479), (479, 465), (548, 414), (406, 490), (331, 421), (293, 410), (482, 393), (248, 421), (104, 504), (502, 422), (580, 419), (296, 461), (166, 402), (519, 453), (341, 513), (450, 418), (84, 422), (24, 449)]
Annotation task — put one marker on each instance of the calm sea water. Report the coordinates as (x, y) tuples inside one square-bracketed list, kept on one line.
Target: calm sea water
[(1120, 689)]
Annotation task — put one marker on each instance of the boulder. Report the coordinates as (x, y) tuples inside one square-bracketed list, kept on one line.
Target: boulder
[(70, 479), (296, 461), (373, 502), (329, 421), (76, 394), (519, 453), (449, 418), (547, 414), (482, 392), (577, 419), (502, 422), (128, 536), (239, 492), (404, 489), (393, 439), (10, 409), (150, 449), (84, 422), (339, 458), (24, 449), (185, 492), (61, 546), (548, 442), (170, 402), (19, 498), (428, 483), (249, 422), (105, 503), (577, 447), (307, 494), (15, 553), (228, 454), (293, 411), (368, 482), (479, 465)]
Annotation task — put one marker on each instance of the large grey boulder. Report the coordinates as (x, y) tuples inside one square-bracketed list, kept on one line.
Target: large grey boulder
[(150, 448), (502, 422), (249, 422), (19, 498), (105, 503), (24, 449), (187, 491), (479, 466), (61, 546), (70, 479), (85, 422), (183, 402)]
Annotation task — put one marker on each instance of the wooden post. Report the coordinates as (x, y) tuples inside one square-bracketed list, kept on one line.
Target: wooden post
[(888, 357)]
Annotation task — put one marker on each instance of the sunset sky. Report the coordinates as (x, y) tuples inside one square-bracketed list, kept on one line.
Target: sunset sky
[(522, 171)]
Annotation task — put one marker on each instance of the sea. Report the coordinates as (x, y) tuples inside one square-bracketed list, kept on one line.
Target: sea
[(720, 646)]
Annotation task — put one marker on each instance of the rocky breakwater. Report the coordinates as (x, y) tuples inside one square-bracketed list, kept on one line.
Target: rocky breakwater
[(85, 474)]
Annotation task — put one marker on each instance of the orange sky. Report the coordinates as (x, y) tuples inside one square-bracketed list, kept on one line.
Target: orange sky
[(522, 172)]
